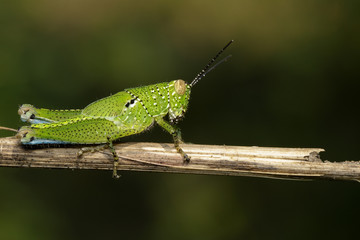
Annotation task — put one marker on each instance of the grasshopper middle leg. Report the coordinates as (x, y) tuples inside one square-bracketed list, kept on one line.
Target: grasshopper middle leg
[(100, 148)]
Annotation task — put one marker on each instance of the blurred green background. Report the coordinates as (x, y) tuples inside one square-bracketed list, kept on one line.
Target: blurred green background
[(293, 81)]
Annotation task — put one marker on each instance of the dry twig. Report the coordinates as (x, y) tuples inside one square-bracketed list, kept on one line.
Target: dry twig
[(289, 163)]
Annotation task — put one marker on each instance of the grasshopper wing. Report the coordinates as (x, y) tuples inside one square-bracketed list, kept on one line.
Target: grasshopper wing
[(111, 106)]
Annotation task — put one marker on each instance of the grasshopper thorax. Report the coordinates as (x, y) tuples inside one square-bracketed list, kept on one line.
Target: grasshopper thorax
[(179, 95)]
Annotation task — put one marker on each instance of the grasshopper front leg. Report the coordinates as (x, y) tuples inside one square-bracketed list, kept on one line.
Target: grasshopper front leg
[(176, 133)]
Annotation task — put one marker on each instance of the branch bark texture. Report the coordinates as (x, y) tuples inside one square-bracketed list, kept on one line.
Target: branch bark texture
[(288, 163)]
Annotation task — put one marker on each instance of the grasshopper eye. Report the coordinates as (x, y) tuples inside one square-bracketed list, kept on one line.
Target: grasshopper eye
[(180, 87)]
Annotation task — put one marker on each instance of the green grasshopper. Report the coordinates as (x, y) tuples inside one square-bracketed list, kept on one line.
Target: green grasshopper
[(104, 121)]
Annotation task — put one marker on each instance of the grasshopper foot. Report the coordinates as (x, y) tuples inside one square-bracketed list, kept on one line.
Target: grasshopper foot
[(186, 158), (182, 153), (115, 175)]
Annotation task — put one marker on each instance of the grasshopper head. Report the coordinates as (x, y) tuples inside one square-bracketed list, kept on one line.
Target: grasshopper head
[(179, 94), (179, 90)]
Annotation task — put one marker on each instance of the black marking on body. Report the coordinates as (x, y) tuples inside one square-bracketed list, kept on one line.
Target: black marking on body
[(140, 101), (132, 101)]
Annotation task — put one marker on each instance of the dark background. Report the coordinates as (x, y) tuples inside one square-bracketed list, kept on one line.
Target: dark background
[(293, 81)]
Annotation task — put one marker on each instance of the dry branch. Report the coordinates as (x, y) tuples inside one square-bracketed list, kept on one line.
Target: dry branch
[(298, 163)]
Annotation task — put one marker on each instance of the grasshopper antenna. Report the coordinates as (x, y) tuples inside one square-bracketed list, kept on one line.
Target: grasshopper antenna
[(207, 68)]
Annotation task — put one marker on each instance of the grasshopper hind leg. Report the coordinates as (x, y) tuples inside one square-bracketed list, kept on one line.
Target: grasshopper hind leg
[(33, 115), (80, 130)]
